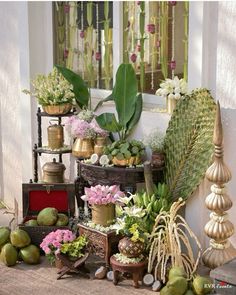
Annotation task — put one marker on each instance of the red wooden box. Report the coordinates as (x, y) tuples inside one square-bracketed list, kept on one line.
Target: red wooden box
[(39, 196)]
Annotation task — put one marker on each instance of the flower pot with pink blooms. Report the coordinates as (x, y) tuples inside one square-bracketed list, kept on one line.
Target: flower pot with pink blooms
[(102, 200), (84, 129)]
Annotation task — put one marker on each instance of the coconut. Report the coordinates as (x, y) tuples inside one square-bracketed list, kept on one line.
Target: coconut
[(47, 216), (148, 279), (104, 160), (167, 291), (9, 255), (20, 238), (62, 219), (101, 273), (202, 285), (178, 284), (189, 292), (30, 254), (4, 235), (177, 271), (156, 286), (31, 222), (94, 159)]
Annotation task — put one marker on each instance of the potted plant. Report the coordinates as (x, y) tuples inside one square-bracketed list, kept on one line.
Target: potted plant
[(102, 200), (125, 153), (155, 141), (173, 90), (85, 130), (53, 242), (132, 226)]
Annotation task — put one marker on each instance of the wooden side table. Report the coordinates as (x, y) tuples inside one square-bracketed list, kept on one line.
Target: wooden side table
[(100, 243), (135, 269)]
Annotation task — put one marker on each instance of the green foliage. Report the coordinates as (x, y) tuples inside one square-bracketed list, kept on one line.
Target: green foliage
[(128, 103), (188, 144), (122, 149), (80, 89), (74, 248)]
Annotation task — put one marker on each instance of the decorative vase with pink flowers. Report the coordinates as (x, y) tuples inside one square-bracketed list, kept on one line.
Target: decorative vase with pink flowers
[(102, 200)]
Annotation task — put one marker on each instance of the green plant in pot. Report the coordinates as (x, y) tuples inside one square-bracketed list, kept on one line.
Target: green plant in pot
[(128, 104), (155, 141), (131, 225), (125, 153), (53, 92)]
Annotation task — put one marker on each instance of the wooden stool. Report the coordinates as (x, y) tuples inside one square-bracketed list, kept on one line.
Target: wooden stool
[(135, 269)]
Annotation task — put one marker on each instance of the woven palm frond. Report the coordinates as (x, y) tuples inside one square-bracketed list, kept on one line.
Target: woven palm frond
[(189, 142)]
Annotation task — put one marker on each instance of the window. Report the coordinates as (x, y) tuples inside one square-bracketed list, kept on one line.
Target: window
[(154, 37)]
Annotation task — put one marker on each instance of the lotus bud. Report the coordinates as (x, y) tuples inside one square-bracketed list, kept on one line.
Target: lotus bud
[(97, 55), (151, 28), (133, 57), (128, 24), (173, 3), (138, 47), (66, 52), (82, 34), (173, 65), (66, 8), (138, 2), (158, 44)]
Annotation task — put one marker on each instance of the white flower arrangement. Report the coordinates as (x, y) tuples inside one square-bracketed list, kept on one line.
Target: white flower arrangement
[(173, 89)]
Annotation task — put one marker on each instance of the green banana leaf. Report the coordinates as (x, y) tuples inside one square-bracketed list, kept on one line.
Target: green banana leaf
[(189, 143), (136, 116), (100, 103), (80, 88), (107, 121), (125, 92)]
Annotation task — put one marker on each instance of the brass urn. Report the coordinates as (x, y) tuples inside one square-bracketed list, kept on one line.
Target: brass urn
[(83, 148), (55, 136), (53, 172), (100, 143), (60, 109)]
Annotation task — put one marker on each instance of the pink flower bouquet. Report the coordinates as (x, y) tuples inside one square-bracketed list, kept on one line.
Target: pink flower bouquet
[(52, 243), (102, 195)]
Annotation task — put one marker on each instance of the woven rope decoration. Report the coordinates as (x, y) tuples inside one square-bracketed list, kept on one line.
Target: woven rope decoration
[(189, 142)]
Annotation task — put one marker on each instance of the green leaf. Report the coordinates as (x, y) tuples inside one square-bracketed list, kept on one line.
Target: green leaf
[(107, 121), (124, 93), (136, 116), (80, 89), (108, 98)]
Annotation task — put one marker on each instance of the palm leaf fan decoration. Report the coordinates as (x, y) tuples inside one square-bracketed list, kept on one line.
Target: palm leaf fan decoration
[(189, 142)]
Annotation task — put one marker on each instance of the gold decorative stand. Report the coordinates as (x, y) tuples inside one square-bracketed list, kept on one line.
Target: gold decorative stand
[(219, 228)]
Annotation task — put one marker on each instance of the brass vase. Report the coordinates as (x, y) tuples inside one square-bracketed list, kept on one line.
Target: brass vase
[(170, 105), (83, 148), (100, 143), (103, 214), (55, 136)]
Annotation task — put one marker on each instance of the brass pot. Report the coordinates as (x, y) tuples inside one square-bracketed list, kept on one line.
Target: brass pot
[(127, 162), (55, 136), (53, 172), (83, 148), (60, 109), (103, 214), (131, 249), (100, 143)]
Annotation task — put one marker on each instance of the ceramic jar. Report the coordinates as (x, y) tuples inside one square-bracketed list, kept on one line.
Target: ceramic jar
[(129, 248)]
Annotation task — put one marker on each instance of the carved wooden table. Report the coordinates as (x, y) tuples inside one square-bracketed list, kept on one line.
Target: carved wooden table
[(127, 178), (135, 269), (100, 243)]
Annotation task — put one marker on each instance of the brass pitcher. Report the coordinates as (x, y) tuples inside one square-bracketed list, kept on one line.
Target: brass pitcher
[(55, 136), (83, 148), (100, 143)]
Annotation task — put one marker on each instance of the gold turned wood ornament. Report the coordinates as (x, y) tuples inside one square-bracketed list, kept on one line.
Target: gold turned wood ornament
[(218, 228)]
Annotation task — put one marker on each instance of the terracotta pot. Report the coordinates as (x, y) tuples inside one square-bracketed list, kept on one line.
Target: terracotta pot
[(158, 159), (129, 248), (100, 143), (83, 148), (103, 214), (60, 109)]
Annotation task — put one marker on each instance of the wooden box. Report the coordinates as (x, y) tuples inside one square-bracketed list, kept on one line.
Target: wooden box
[(39, 196)]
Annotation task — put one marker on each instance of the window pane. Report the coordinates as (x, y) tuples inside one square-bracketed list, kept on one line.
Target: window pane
[(83, 40), (155, 36)]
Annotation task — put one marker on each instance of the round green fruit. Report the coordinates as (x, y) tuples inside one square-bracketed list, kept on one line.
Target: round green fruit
[(30, 254), (62, 219), (167, 291), (202, 285), (189, 292), (31, 222), (178, 284), (20, 238), (4, 235), (47, 216), (177, 271), (9, 255)]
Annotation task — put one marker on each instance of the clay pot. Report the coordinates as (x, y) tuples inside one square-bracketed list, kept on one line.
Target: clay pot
[(129, 248), (158, 159), (60, 109)]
